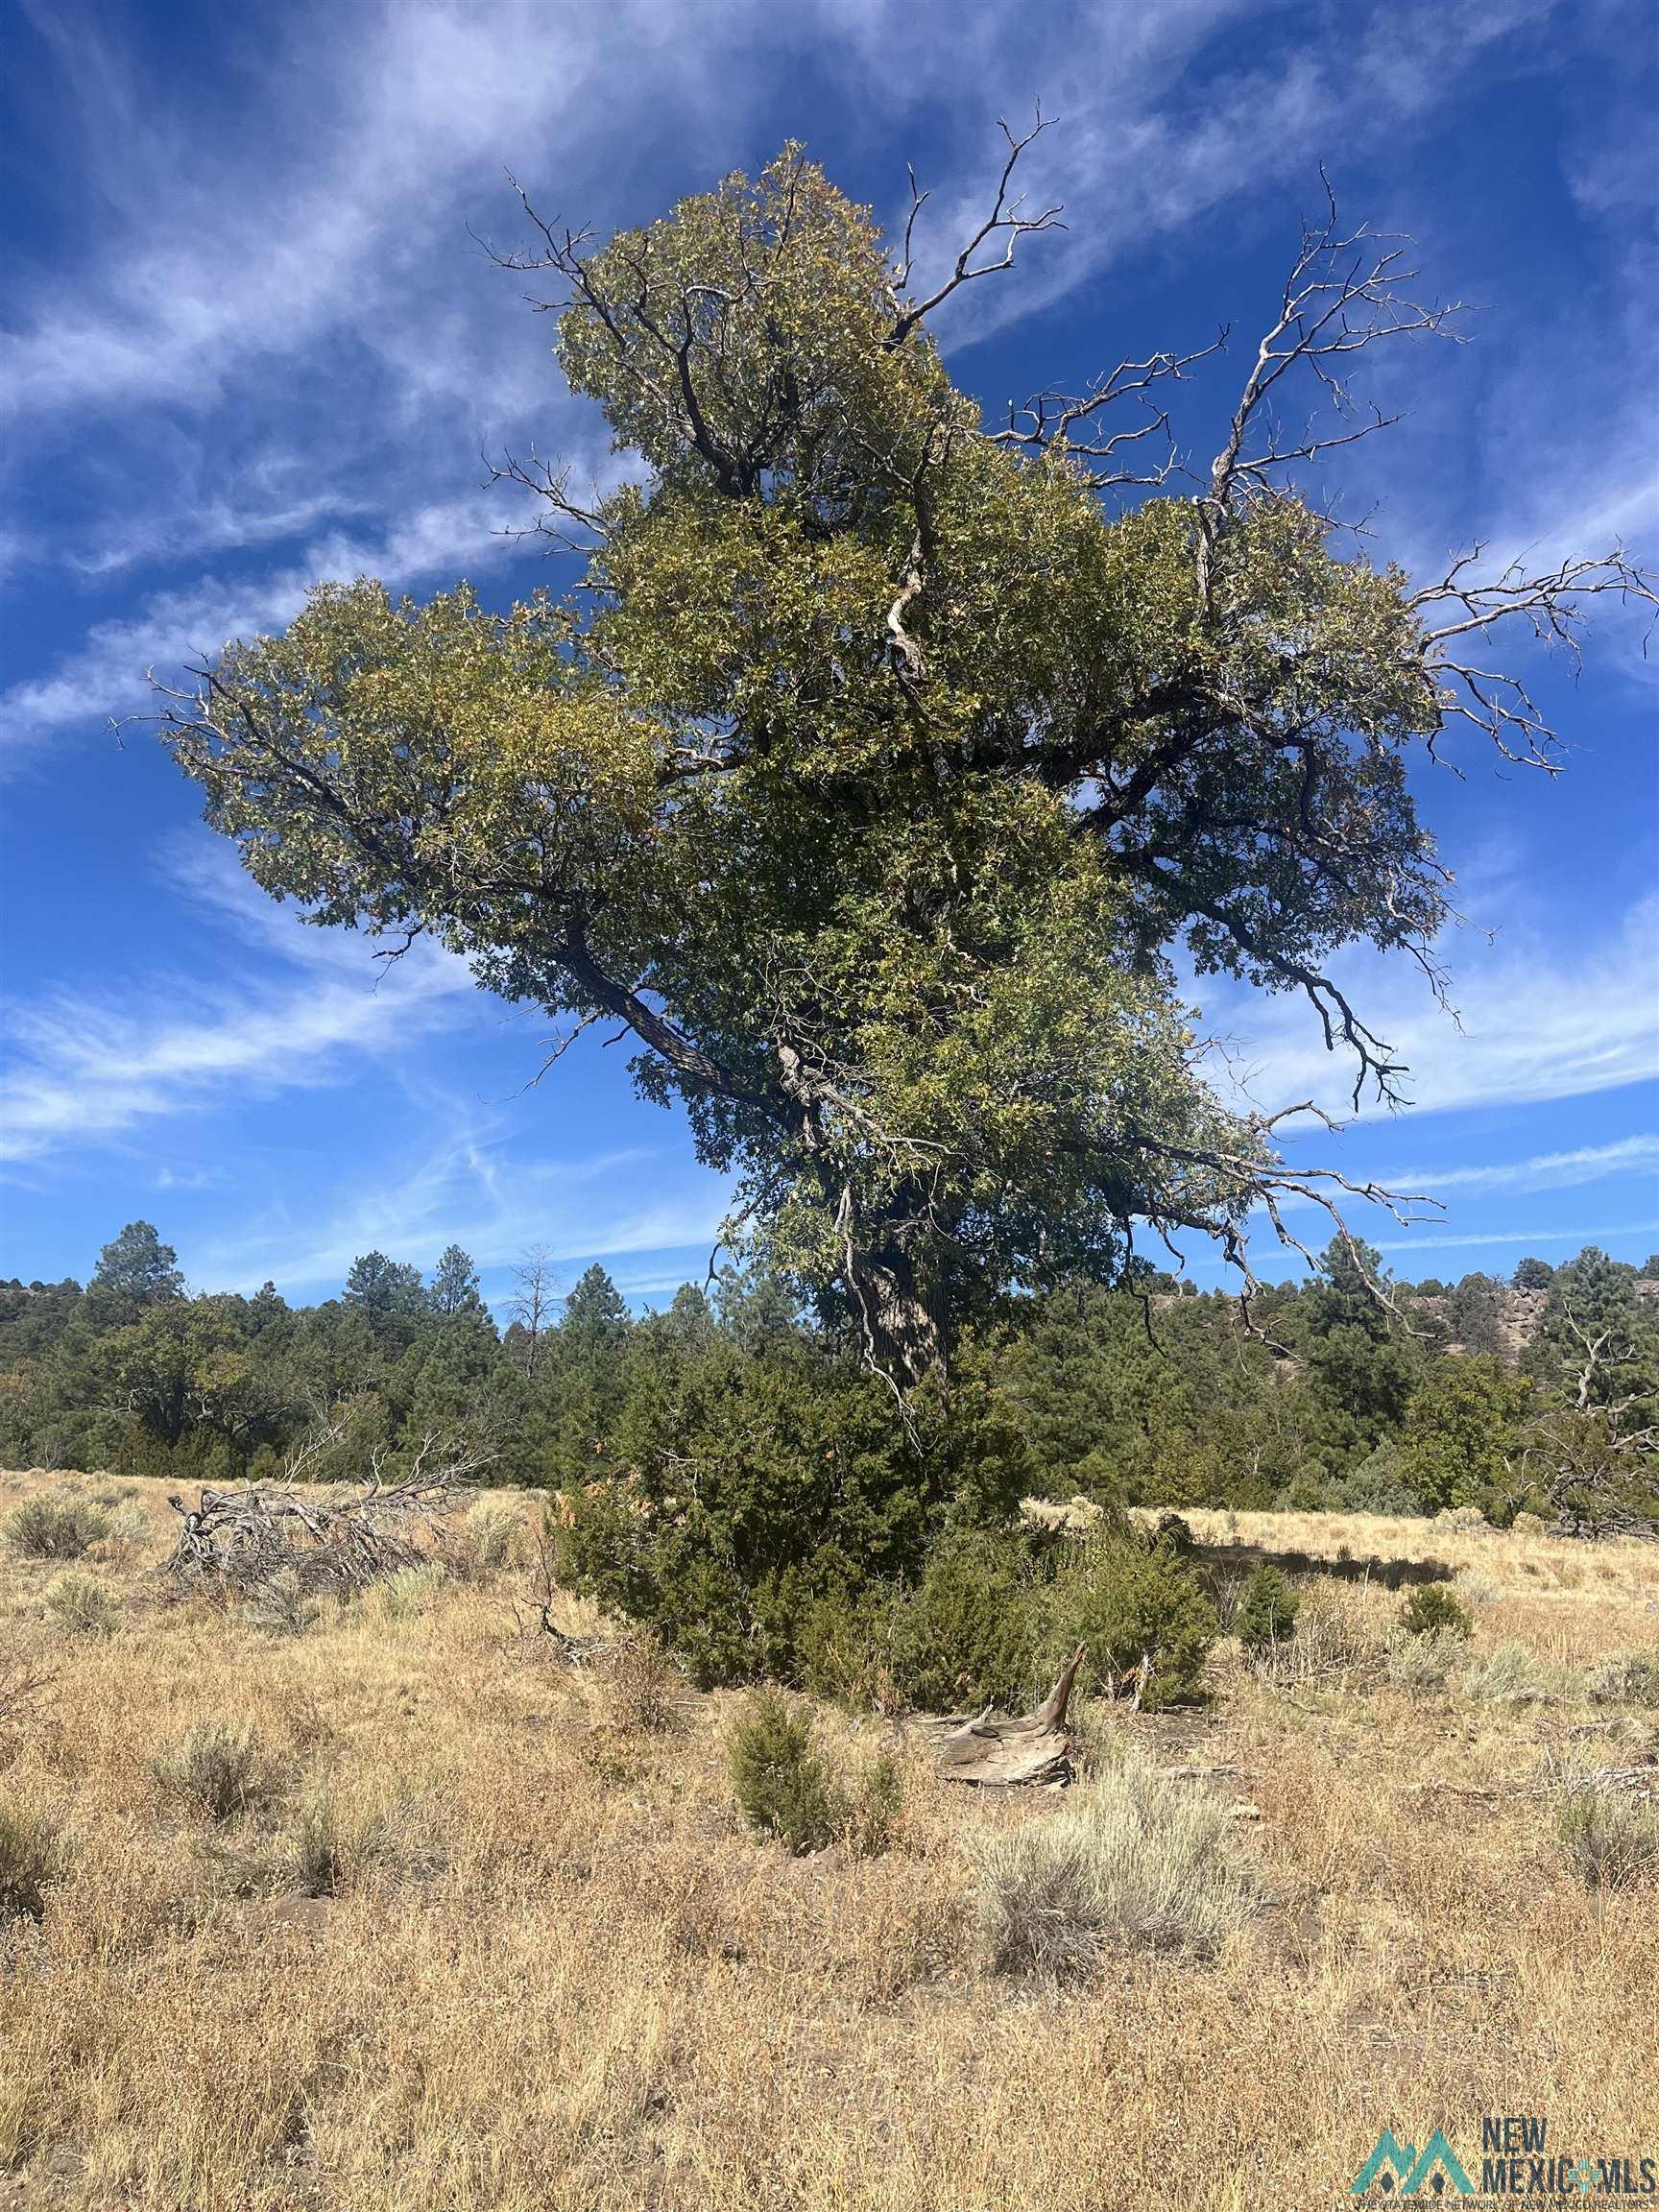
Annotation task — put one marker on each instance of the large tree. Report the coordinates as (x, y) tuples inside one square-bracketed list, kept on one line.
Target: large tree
[(883, 756)]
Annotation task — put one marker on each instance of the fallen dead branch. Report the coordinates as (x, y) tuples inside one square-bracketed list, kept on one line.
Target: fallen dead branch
[(331, 1538), (1641, 1781)]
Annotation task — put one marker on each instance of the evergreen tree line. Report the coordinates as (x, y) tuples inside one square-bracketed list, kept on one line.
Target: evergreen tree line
[(1152, 1395), (729, 1471)]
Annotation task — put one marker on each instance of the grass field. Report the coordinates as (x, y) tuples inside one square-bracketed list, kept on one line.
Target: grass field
[(551, 1968)]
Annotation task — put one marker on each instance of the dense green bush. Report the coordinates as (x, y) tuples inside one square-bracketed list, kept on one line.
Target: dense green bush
[(783, 1783), (789, 1794), (1380, 1484), (1431, 1610), (974, 1631), (1307, 1491), (1266, 1611), (1142, 1616), (749, 1492)]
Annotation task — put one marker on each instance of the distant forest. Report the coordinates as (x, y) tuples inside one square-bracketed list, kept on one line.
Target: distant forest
[(1536, 1394)]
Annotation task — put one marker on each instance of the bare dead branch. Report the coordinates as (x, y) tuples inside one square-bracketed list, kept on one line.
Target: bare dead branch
[(1460, 608), (1004, 222), (1069, 422), (1345, 292)]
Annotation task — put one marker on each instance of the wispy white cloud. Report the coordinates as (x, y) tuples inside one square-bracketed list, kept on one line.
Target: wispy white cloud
[(1544, 1172), (1538, 1018), (92, 1067), (460, 1190), (107, 674), (1516, 1237)]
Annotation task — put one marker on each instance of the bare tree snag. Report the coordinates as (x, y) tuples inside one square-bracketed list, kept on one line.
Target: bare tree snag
[(1006, 1753)]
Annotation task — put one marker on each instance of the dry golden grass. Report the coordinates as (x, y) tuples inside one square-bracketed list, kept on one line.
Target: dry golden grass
[(555, 1972)]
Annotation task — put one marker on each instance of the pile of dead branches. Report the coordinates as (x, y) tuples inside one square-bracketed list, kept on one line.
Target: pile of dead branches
[(330, 1537)]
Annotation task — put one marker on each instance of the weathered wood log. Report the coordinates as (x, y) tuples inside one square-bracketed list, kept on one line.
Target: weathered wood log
[(1006, 1753)]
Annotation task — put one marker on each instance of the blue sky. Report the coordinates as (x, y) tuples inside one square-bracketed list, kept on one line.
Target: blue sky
[(248, 341)]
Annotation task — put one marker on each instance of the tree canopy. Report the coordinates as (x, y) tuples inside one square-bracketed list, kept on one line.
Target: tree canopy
[(881, 758)]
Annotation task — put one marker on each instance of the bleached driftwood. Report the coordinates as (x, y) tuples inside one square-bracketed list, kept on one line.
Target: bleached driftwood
[(1006, 1753)]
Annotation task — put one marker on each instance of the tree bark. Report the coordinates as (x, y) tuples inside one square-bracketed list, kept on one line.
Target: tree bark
[(1008, 1753)]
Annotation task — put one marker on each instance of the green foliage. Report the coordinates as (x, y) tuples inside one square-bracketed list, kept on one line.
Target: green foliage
[(388, 1294), (1431, 1610), (454, 1286), (53, 1528), (744, 1494), (1380, 1484), (136, 1269), (1360, 1365), (1142, 1616), (985, 747), (1463, 1434), (973, 1632), (1592, 1302), (1307, 1492), (1188, 1414), (789, 1793), (1267, 1610), (871, 1811), (783, 1784)]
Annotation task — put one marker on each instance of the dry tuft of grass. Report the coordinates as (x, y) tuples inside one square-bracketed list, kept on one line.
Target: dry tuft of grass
[(81, 1605), (1611, 1842), (53, 1527), (641, 1686), (216, 1770), (31, 1858), (1133, 1860)]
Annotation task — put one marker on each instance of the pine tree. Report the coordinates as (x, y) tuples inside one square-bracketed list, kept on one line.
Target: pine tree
[(137, 1268), (455, 1284)]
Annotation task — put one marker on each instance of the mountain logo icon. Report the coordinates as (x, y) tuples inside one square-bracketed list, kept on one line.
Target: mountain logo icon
[(1394, 2165)]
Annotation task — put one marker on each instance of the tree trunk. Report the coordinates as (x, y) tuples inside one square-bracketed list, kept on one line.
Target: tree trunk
[(1006, 1753)]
